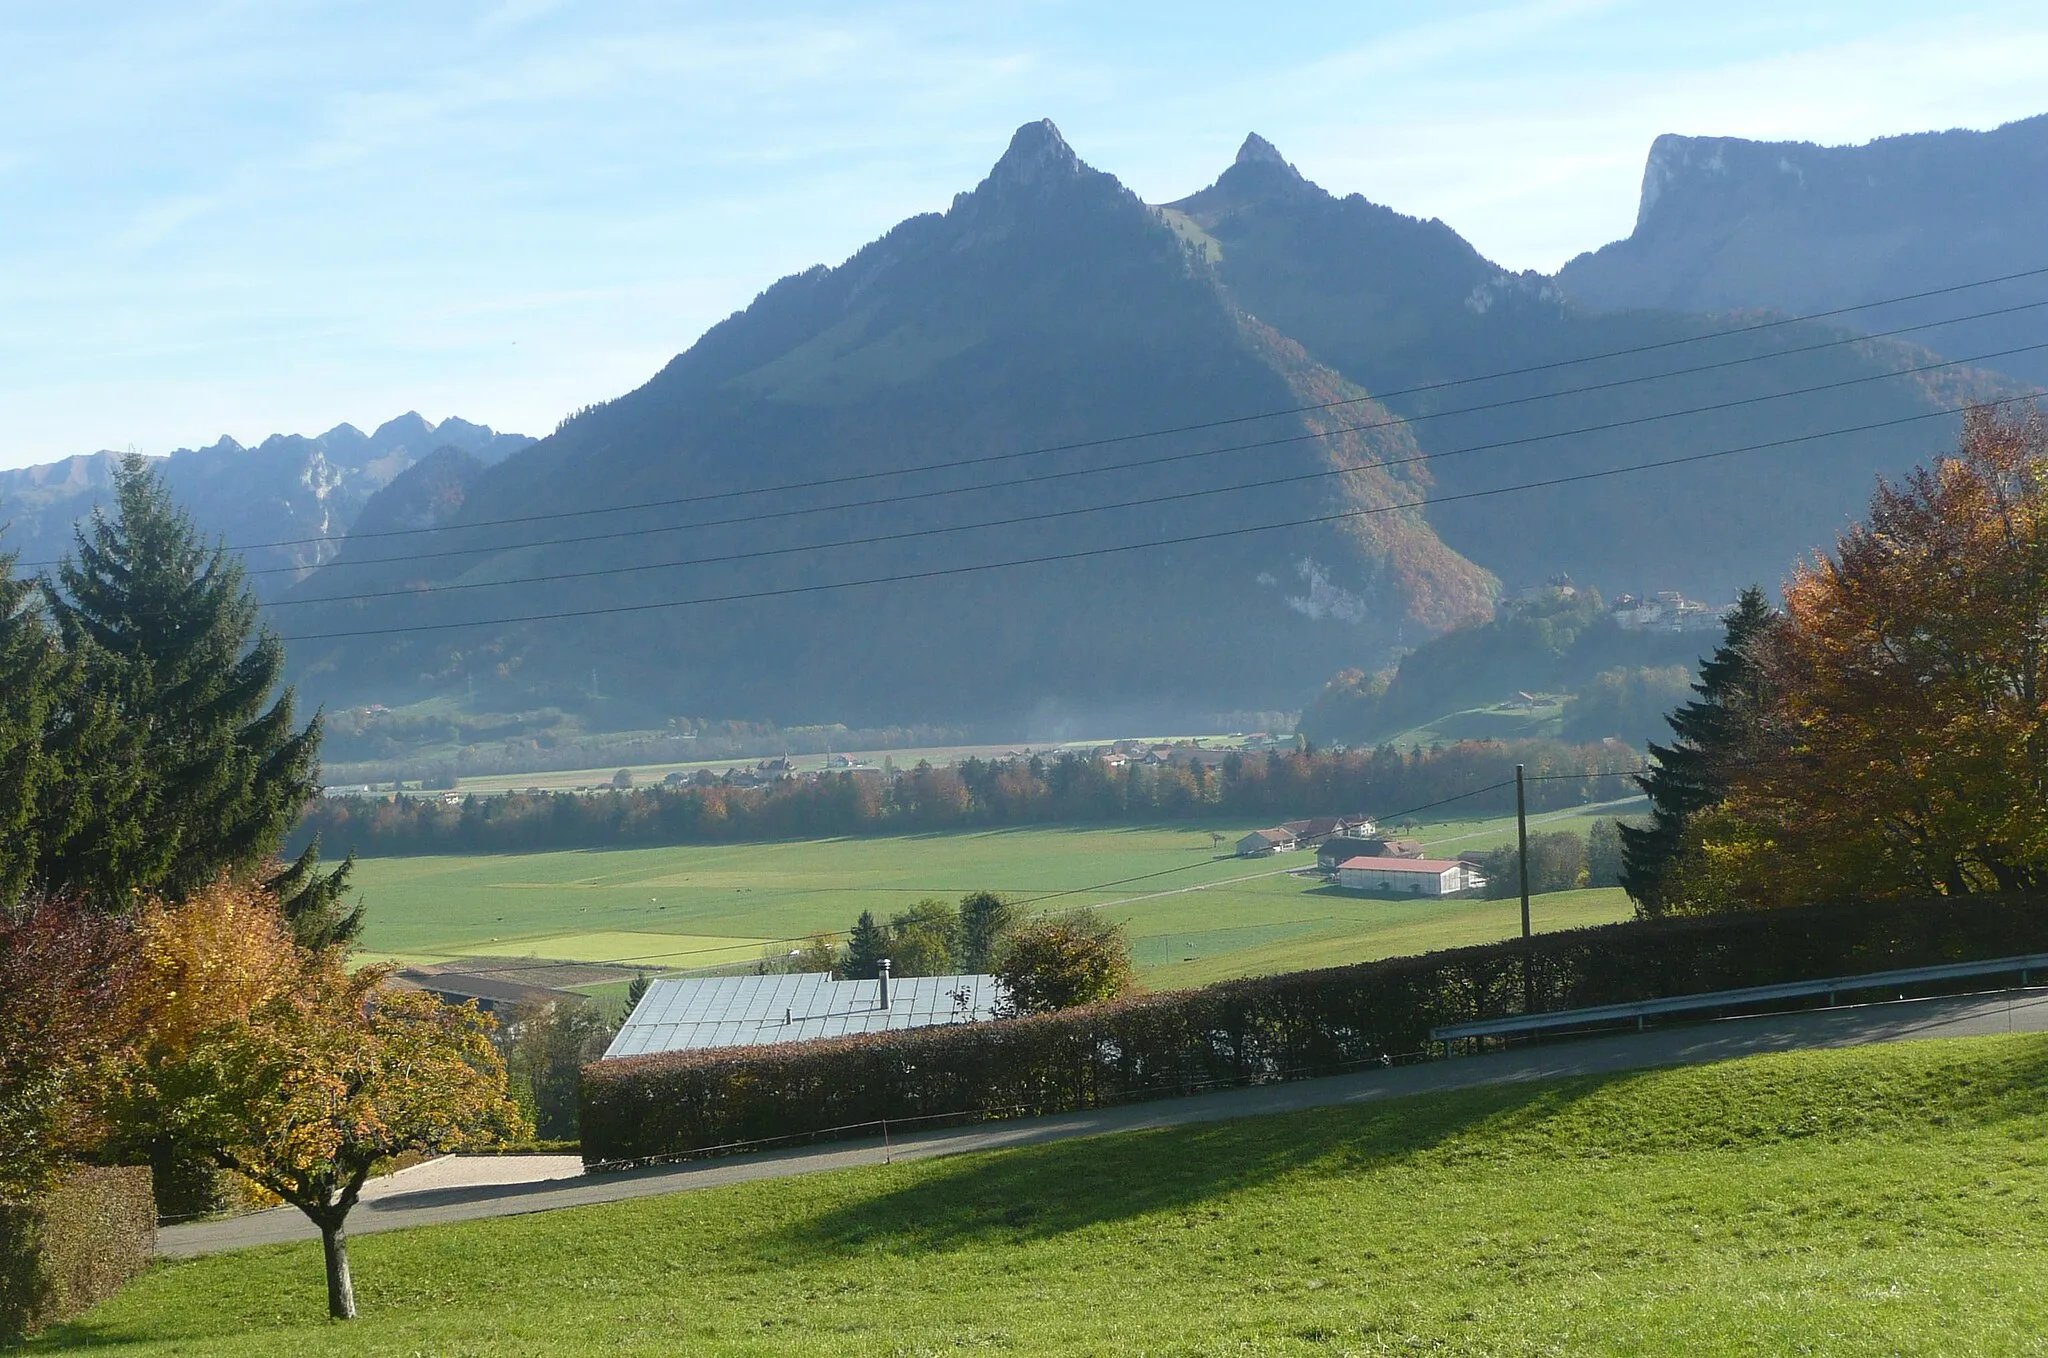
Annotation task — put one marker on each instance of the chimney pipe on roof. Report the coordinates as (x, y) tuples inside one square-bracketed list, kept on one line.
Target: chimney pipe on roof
[(882, 975)]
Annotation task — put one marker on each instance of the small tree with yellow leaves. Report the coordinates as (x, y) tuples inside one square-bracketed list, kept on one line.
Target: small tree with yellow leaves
[(297, 1074)]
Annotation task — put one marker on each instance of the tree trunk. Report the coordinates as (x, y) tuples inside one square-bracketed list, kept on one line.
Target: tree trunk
[(341, 1287)]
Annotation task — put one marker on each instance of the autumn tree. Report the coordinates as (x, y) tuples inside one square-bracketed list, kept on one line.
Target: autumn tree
[(313, 1087), (165, 630), (1904, 745), (214, 958), (1057, 962)]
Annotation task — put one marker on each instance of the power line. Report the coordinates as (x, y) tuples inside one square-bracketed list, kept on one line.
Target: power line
[(1420, 389), (1181, 541), (1072, 473), (1263, 484)]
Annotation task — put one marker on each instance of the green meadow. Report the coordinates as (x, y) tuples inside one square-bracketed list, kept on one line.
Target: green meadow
[(1871, 1201), (1194, 914)]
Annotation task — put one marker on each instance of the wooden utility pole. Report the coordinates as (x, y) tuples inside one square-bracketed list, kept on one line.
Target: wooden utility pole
[(1522, 846)]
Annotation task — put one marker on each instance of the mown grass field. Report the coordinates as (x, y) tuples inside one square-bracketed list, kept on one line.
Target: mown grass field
[(1879, 1200), (1194, 917)]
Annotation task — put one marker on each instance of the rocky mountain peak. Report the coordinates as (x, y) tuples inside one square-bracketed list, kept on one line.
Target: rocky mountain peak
[(1258, 151), (1038, 155)]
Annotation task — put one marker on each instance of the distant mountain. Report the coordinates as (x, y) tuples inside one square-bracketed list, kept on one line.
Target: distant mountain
[(1726, 223), (1051, 310), (1409, 310), (301, 494), (1046, 309)]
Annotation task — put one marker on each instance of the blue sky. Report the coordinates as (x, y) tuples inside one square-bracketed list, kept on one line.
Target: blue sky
[(246, 218)]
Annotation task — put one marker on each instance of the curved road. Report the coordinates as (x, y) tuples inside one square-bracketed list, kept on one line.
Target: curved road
[(414, 1198)]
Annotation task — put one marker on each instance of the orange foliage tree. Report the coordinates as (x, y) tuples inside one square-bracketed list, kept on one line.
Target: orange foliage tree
[(1903, 744), (281, 1065)]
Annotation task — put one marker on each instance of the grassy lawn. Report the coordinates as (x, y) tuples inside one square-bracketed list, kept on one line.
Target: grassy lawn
[(706, 905), (1879, 1200)]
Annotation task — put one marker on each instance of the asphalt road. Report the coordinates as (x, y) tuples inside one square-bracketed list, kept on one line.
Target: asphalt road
[(396, 1205)]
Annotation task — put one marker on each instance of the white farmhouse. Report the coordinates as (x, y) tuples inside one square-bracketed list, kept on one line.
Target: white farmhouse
[(1408, 876)]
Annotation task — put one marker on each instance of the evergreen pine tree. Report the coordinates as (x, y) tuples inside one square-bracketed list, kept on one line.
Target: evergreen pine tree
[(165, 631), (866, 946), (32, 674), (984, 918), (1689, 775), (636, 991)]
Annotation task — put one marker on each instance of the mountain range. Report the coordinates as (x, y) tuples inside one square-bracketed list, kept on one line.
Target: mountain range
[(298, 496), (1369, 428)]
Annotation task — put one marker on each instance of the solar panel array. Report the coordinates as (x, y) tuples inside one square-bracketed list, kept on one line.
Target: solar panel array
[(752, 1011)]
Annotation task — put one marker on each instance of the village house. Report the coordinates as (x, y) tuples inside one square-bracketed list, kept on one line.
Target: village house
[(1260, 843)]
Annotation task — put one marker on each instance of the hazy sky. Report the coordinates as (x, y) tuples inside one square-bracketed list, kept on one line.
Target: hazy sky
[(278, 215)]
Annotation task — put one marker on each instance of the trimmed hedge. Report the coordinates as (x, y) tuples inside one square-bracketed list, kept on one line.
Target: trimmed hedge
[(1251, 1031), (73, 1246)]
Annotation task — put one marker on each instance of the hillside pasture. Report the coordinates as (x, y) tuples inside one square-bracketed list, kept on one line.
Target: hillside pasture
[(1875, 1200), (1195, 914)]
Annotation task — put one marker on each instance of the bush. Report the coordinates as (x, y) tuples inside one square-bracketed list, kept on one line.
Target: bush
[(545, 1046), (1557, 862), (1252, 1031), (1059, 963), (71, 1247)]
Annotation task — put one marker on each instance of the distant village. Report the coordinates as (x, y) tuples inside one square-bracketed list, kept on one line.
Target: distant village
[(1666, 610)]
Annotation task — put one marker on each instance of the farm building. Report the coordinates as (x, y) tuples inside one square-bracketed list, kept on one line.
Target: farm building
[(1259, 843), (755, 1011), (1322, 827), (1414, 876), (1332, 853), (492, 994)]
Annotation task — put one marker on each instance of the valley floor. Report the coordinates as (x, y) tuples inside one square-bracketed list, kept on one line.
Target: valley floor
[(1194, 916), (1874, 1200)]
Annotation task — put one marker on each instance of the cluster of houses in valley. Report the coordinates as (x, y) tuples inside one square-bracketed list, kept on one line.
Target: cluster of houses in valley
[(1354, 856)]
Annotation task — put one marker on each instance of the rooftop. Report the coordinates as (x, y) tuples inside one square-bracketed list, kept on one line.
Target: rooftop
[(1430, 866), (753, 1011)]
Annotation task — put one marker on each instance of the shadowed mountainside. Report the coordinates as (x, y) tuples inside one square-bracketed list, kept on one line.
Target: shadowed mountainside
[(1044, 310)]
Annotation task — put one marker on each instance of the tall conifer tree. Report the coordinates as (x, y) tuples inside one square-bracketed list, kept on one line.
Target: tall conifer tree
[(1690, 775), (166, 632), (866, 946), (31, 674)]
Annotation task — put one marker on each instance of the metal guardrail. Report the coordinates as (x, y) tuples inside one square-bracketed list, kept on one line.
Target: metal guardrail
[(1728, 999)]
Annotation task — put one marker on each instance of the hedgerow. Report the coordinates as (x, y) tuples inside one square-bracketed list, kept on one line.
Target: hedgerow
[(1251, 1031), (67, 1248)]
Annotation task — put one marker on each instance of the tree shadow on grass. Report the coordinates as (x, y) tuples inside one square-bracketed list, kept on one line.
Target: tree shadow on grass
[(1050, 1190), (1046, 1191)]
